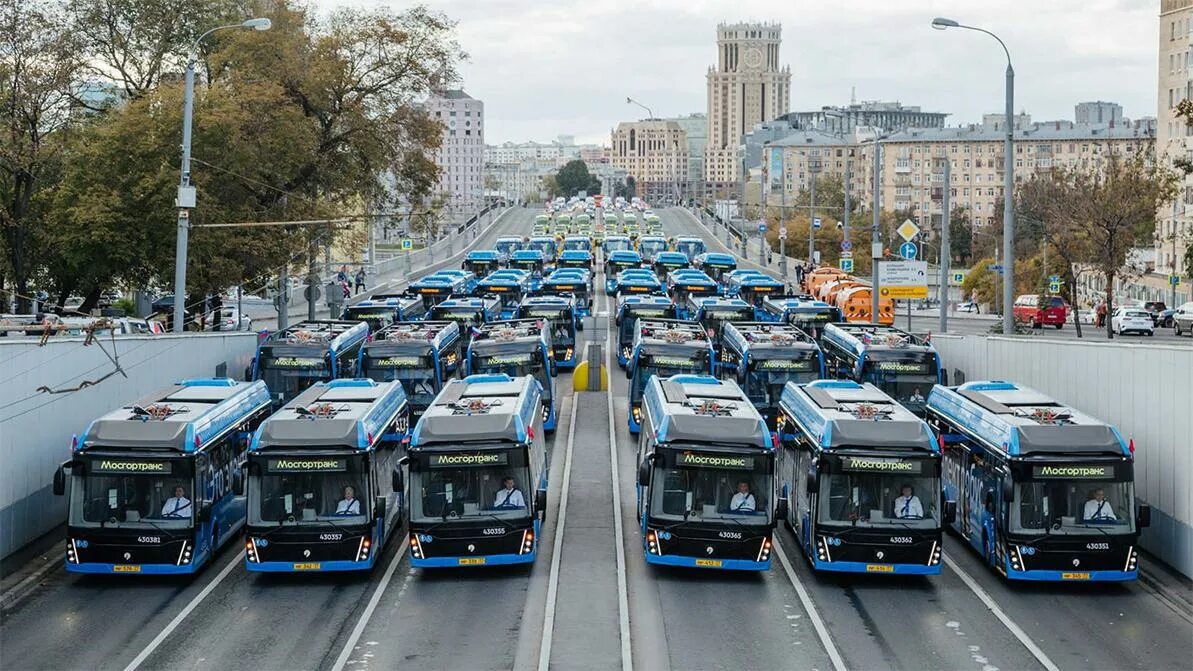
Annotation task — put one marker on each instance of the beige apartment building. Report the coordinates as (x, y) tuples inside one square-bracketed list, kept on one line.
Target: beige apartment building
[(655, 153), (911, 170), (747, 87), (1174, 224)]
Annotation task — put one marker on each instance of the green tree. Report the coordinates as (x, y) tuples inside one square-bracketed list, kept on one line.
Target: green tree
[(574, 177)]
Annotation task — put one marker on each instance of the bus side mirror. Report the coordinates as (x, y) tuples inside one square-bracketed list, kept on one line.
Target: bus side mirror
[(397, 483), (379, 509), (238, 482), (813, 484), (950, 511), (644, 470), (629, 372), (60, 479), (1008, 490), (1144, 517), (781, 510), (540, 503)]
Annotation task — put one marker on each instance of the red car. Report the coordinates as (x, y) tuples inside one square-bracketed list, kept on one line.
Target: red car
[(1051, 311)]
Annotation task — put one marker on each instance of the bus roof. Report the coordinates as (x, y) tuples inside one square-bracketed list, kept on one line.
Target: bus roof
[(840, 413), (576, 255), (717, 259), (703, 409), (479, 408), (746, 336), (670, 333), (785, 303), (556, 301), (508, 331), (426, 333), (1020, 421), (717, 303), (182, 417), (482, 255), (672, 257), (331, 334), (857, 338), (468, 303), (527, 254), (339, 413)]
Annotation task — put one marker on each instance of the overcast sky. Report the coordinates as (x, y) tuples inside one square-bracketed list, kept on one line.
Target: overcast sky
[(565, 67)]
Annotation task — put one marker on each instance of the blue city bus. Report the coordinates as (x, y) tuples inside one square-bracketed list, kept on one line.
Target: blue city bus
[(570, 282), (690, 247), (848, 456), (152, 483), (897, 362), (564, 321), (505, 246), (715, 264), (381, 310), (667, 262), (803, 312), (324, 480), (437, 287), (423, 356), (531, 261), (575, 258), (1046, 492), (637, 281), (294, 358), (468, 313), (706, 476), (616, 262), (649, 245), (753, 288), (545, 244), (682, 284), (664, 347), (629, 310), (481, 262), (617, 243), (713, 313), (508, 286), (763, 357), (577, 243), (479, 433), (518, 347)]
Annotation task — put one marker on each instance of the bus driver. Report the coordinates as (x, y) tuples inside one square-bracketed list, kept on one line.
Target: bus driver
[(743, 500), (177, 505), (907, 504), (1098, 509), (508, 496), (349, 505)]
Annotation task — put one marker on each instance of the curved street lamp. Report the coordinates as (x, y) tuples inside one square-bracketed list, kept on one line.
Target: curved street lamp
[(186, 193), (1008, 189)]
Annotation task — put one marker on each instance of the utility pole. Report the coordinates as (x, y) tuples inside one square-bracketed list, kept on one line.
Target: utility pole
[(945, 223), (814, 168), (875, 239)]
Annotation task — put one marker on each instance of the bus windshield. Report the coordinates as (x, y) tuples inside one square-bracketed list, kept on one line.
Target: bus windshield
[(665, 365), (713, 319), (866, 491), (417, 374), (616, 245), (289, 376), (123, 492), (309, 489), (700, 486), (563, 330), (1073, 507), (690, 248), (470, 485), (515, 365), (507, 247), (907, 380), (547, 247), (766, 378), (376, 318)]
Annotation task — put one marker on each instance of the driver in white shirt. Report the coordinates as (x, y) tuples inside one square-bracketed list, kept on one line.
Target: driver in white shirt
[(177, 505), (509, 496), (907, 504), (349, 505), (1097, 508), (743, 500)]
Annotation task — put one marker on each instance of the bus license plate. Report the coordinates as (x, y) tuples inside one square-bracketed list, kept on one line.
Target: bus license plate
[(125, 568), (470, 561), (1074, 576), (714, 563), (313, 566), (879, 568)]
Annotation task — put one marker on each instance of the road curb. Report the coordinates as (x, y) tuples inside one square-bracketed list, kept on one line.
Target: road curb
[(17, 593)]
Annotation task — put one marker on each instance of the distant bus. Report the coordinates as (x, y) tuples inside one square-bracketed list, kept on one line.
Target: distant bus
[(564, 322), (706, 476), (629, 310), (423, 356), (802, 312), (468, 313), (324, 484), (381, 310), (664, 348), (478, 474), (862, 479), (764, 357), (902, 365), (1046, 492), (517, 348), (294, 358), (152, 483), (690, 247)]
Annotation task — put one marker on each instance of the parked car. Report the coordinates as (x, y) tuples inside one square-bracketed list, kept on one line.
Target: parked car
[(1182, 319), (1154, 308), (1051, 310), (1164, 317), (229, 319), (1132, 320)]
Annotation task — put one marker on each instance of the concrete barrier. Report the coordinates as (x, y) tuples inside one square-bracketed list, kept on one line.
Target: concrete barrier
[(36, 426), (1144, 390)]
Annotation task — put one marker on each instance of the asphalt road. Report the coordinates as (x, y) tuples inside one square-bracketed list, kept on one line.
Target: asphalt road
[(574, 608)]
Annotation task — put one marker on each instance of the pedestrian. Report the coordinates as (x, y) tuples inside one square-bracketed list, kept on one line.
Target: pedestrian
[(360, 280), (973, 298), (770, 255), (342, 276), (217, 306)]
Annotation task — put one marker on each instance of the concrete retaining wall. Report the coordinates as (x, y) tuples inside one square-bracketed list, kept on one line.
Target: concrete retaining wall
[(1145, 390), (36, 427)]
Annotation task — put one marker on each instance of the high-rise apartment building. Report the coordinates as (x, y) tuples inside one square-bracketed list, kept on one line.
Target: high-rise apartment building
[(655, 153), (461, 157), (1098, 111), (1174, 221), (748, 86)]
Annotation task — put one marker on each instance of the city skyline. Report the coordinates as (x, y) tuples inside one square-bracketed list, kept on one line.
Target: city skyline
[(571, 70)]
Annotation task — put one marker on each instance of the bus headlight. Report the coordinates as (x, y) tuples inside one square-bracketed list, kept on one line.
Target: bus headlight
[(527, 542), (1132, 559), (934, 555), (822, 552), (72, 554), (652, 542), (362, 551), (625, 352), (568, 353), (416, 546), (764, 550), (636, 411), (184, 557), (1017, 557), (250, 550)]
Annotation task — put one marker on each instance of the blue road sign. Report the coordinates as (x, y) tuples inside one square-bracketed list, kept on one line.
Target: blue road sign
[(847, 265), (1054, 287), (846, 245), (994, 268), (908, 250), (1174, 280), (407, 244), (816, 223), (958, 277), (762, 227), (1054, 278)]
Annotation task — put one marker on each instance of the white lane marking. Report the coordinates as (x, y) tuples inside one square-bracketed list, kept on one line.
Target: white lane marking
[(1015, 629), (623, 600), (238, 558), (359, 629), (826, 640), (557, 550)]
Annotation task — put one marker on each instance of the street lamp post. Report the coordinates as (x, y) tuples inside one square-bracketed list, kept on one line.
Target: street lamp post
[(186, 192), (631, 101), (814, 168), (1008, 189)]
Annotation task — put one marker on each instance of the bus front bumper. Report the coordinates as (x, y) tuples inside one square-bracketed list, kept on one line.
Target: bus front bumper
[(1039, 575), (864, 567), (135, 569), (711, 563), (337, 565), (470, 562)]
